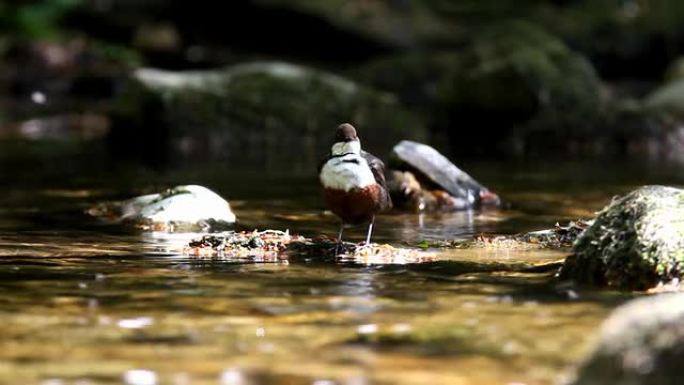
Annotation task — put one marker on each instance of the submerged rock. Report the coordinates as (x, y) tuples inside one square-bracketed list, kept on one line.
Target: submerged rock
[(641, 343), (265, 245), (264, 112), (423, 179), (636, 242), (559, 237), (181, 208), (275, 245)]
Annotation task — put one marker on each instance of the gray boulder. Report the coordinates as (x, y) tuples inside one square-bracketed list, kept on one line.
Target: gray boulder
[(421, 178)]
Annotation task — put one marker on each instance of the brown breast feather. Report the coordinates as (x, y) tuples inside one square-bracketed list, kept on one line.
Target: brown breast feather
[(357, 205)]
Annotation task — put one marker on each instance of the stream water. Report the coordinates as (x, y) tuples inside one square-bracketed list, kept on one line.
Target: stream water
[(87, 303)]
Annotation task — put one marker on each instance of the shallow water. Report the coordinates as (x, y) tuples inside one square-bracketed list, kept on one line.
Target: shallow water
[(88, 303)]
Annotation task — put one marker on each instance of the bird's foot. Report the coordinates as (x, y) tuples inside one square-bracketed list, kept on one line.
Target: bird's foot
[(342, 248), (364, 248)]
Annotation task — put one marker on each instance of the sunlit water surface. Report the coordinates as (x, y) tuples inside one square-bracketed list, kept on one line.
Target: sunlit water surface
[(86, 303)]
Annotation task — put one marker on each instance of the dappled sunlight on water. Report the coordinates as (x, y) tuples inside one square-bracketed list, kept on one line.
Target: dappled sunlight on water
[(85, 301)]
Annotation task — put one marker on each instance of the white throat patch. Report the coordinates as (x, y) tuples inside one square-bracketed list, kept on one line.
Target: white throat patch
[(339, 148), (347, 169)]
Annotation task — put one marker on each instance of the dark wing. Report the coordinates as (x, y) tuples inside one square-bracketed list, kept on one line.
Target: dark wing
[(377, 167), (378, 170), (322, 162)]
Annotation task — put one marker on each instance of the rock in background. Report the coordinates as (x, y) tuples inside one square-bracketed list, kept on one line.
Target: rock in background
[(489, 78), (273, 113)]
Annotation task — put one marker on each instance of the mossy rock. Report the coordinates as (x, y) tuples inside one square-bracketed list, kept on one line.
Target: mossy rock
[(258, 112), (520, 70), (415, 77), (635, 243), (514, 81), (641, 343)]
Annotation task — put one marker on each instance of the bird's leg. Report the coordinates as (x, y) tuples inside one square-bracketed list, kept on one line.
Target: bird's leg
[(339, 238), (370, 231), (339, 235)]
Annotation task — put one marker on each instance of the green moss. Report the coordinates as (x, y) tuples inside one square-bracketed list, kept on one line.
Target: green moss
[(636, 242), (513, 78), (519, 69)]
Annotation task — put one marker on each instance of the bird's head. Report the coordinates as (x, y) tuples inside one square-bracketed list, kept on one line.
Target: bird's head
[(346, 141)]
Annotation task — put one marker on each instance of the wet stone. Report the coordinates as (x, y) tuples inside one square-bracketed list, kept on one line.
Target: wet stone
[(267, 244), (276, 245), (559, 237), (641, 343), (423, 179), (635, 243), (185, 208)]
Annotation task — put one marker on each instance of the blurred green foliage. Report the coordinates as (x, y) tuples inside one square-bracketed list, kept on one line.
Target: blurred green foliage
[(35, 19)]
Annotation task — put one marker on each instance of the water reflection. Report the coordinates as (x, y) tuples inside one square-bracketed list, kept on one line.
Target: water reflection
[(81, 302)]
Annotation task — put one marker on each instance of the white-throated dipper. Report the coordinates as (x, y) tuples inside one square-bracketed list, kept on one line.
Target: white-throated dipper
[(353, 181)]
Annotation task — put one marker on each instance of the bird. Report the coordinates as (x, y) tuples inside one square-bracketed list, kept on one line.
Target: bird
[(353, 182)]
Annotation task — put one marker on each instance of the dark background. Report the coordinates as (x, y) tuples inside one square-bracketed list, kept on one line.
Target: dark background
[(478, 79)]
